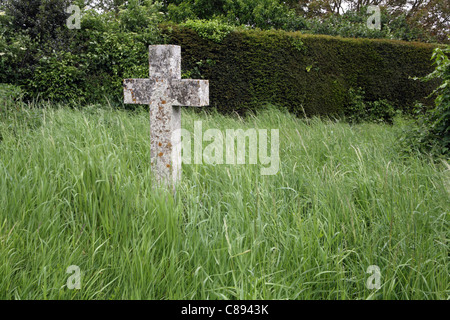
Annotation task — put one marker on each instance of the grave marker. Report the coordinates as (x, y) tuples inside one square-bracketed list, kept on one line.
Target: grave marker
[(165, 92)]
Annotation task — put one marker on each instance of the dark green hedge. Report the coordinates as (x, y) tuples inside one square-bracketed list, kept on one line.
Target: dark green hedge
[(297, 71)]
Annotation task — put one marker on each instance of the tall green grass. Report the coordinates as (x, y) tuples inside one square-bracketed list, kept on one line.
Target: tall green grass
[(76, 189)]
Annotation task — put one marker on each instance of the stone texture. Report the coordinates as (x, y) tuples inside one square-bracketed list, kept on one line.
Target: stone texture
[(165, 62), (138, 91), (165, 92)]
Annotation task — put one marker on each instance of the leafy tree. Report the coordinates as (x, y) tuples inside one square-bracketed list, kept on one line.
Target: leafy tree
[(264, 14), (412, 19), (40, 19), (139, 15), (104, 5)]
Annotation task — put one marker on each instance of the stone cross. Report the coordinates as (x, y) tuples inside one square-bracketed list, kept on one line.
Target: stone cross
[(165, 92)]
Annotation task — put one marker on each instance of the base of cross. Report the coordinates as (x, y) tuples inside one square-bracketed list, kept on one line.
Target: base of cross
[(165, 92)]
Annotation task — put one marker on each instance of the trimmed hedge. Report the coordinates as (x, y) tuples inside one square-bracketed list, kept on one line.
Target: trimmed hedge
[(303, 73)]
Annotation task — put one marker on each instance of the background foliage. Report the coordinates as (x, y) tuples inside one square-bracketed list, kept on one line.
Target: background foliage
[(431, 131), (305, 73), (244, 47)]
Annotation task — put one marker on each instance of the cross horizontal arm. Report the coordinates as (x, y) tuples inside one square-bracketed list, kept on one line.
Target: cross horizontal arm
[(193, 93), (178, 92), (138, 91)]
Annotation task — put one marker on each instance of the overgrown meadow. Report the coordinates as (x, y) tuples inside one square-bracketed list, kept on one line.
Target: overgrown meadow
[(76, 189)]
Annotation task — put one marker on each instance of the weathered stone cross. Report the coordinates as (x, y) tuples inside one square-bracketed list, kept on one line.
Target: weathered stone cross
[(165, 92)]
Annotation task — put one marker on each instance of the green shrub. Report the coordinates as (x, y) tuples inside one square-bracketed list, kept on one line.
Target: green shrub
[(16, 56), (93, 64), (140, 15), (61, 76), (209, 29), (305, 73), (381, 111), (111, 57), (431, 132), (10, 95), (181, 13), (353, 24), (401, 29), (356, 109), (263, 14), (10, 91), (359, 109), (440, 115)]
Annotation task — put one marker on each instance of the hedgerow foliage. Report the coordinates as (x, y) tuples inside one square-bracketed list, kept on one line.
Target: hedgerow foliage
[(304, 73)]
